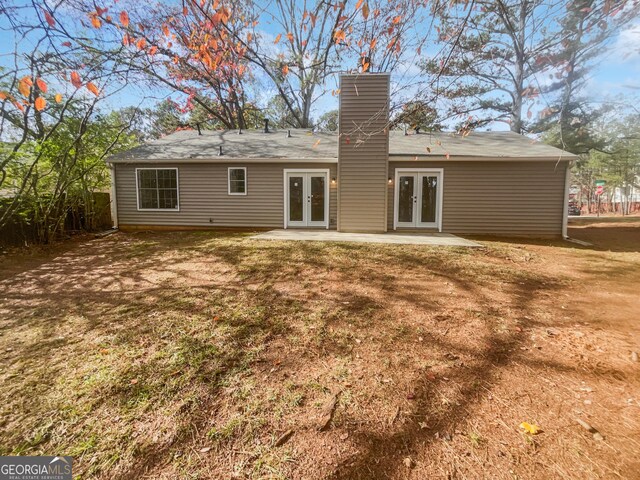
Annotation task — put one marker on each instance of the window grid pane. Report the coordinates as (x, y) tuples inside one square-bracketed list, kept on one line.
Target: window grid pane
[(237, 180), (158, 189)]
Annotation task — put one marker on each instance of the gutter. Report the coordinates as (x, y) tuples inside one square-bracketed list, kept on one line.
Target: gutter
[(565, 211), (401, 157), (114, 202), (224, 159)]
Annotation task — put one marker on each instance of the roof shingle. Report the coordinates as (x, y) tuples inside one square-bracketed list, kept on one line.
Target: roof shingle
[(306, 145)]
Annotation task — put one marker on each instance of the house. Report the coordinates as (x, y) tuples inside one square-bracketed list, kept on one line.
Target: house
[(367, 179)]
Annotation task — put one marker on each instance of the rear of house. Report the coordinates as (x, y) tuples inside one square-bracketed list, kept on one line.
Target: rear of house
[(364, 179)]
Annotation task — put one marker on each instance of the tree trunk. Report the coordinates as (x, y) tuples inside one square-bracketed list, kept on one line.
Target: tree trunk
[(516, 111)]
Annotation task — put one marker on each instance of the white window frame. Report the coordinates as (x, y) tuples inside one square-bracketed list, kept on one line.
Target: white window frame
[(327, 192), (396, 193), (246, 181), (177, 209)]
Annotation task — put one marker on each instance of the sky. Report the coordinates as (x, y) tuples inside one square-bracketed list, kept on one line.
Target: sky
[(617, 75)]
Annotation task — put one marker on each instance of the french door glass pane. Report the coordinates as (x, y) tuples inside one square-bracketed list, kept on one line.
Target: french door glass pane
[(317, 199), (405, 199), (429, 199), (296, 199)]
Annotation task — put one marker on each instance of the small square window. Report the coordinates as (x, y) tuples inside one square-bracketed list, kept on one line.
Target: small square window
[(237, 181)]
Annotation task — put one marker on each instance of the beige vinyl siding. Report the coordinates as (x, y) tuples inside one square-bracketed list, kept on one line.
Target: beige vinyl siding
[(496, 197), (204, 199), (363, 152)]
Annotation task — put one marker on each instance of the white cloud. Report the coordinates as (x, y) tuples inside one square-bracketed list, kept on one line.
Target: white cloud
[(626, 49)]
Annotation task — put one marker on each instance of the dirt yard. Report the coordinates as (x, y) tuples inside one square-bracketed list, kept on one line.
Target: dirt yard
[(200, 355)]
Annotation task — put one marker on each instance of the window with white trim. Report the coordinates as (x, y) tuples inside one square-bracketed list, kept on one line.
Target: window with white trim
[(157, 188), (237, 181)]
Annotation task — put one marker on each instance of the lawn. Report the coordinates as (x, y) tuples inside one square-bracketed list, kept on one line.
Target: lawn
[(203, 355)]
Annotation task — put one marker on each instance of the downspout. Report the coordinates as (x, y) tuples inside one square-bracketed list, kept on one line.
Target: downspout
[(114, 203), (565, 211)]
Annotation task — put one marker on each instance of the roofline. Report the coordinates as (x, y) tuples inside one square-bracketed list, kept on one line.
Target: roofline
[(361, 74), (402, 157), (223, 160)]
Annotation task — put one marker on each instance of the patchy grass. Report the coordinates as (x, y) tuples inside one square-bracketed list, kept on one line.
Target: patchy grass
[(188, 355)]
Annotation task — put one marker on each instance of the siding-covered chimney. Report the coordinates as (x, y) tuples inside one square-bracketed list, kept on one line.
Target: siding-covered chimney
[(363, 152)]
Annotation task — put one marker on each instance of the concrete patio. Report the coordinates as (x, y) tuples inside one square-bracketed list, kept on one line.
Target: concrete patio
[(432, 239)]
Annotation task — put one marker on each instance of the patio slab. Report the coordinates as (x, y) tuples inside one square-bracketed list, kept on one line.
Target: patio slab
[(433, 239)]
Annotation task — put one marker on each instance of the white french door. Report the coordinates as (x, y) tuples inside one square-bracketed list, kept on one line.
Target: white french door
[(306, 198), (418, 198)]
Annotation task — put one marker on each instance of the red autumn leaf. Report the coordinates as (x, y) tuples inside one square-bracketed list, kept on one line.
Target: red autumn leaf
[(365, 11), (278, 37), (141, 43), (165, 30), (95, 21), (41, 85), (75, 79), (397, 19), (93, 89), (359, 4), (49, 18), (40, 103), (58, 98), (153, 50), (124, 18), (290, 37), (185, 12), (66, 44), (373, 43), (285, 70), (3, 95)]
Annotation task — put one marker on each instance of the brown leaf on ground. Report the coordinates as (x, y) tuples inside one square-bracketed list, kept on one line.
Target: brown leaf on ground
[(282, 439), (327, 412)]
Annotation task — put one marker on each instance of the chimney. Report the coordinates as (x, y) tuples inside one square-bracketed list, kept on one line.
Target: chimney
[(363, 152), (266, 125)]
